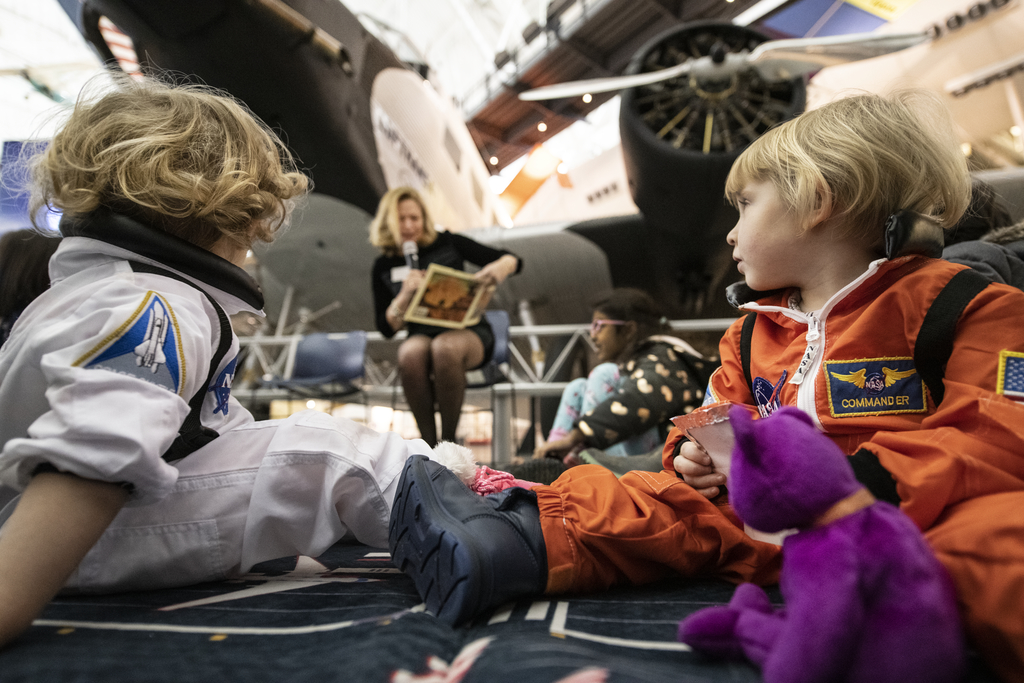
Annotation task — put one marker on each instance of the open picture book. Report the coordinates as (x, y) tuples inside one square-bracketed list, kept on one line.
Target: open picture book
[(447, 298)]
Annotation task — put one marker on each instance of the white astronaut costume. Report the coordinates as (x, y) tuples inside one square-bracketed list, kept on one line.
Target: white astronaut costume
[(95, 380)]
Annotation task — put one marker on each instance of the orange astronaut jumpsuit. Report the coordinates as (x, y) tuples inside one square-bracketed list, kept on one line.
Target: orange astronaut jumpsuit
[(959, 467)]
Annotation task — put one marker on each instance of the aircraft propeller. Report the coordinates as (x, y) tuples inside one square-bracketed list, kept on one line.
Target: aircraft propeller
[(775, 60)]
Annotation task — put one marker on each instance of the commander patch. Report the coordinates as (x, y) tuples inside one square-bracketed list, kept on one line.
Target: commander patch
[(874, 386), (1010, 381), (146, 346)]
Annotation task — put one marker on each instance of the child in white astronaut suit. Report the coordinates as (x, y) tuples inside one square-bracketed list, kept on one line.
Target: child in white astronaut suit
[(163, 191)]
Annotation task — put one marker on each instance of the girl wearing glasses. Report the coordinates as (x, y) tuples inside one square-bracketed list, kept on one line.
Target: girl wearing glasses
[(645, 376)]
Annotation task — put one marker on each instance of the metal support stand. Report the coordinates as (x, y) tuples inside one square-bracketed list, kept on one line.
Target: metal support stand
[(501, 432)]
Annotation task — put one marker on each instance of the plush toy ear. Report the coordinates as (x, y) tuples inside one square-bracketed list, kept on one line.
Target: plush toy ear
[(744, 430), (796, 413)]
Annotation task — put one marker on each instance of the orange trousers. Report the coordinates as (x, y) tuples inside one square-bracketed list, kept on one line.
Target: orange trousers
[(601, 531)]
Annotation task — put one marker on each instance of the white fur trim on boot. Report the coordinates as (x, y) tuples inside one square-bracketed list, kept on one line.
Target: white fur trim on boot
[(458, 459)]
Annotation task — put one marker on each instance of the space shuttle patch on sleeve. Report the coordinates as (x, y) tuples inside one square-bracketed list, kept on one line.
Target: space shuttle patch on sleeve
[(146, 346)]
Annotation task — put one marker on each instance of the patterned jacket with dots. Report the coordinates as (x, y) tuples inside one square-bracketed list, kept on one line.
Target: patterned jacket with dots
[(664, 378)]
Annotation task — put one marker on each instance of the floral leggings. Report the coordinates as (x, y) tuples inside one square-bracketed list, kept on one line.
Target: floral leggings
[(583, 394)]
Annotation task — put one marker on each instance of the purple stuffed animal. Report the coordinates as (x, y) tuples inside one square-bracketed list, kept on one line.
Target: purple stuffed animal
[(866, 601)]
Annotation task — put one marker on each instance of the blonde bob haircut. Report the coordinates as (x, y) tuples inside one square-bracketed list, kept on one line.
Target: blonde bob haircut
[(861, 159), (384, 229), (187, 159)]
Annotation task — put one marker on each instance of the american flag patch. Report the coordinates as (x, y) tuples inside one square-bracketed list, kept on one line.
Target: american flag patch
[(1010, 382)]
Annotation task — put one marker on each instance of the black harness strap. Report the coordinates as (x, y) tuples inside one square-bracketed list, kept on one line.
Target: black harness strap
[(870, 472), (193, 435), (934, 342), (746, 335)]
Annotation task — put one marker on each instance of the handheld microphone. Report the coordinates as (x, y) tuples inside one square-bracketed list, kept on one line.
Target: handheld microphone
[(412, 254)]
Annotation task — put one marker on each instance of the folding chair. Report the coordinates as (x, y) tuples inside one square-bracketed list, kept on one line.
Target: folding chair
[(326, 365), (491, 372)]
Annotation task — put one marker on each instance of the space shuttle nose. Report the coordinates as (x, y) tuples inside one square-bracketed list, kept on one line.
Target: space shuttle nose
[(150, 352)]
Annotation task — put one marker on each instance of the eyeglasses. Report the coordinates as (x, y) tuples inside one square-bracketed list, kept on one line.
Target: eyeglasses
[(596, 325)]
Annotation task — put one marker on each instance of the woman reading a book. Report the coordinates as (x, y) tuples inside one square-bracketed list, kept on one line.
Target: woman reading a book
[(433, 361)]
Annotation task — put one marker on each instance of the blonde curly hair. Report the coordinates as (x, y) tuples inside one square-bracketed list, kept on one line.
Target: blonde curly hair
[(384, 229), (186, 159), (863, 158)]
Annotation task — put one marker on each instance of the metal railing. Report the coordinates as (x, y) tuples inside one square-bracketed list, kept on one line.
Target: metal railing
[(274, 357)]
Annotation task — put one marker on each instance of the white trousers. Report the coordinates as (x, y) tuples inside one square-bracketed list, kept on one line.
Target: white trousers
[(269, 489)]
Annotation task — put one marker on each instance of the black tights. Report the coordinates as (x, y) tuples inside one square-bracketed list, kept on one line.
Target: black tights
[(447, 357)]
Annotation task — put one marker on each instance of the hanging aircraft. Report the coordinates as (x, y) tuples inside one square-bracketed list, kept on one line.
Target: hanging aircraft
[(362, 120), (973, 60), (359, 119), (695, 96), (692, 99)]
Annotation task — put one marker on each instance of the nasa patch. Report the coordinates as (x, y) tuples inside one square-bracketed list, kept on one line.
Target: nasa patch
[(146, 346), (221, 387), (766, 394), (1010, 381), (874, 386)]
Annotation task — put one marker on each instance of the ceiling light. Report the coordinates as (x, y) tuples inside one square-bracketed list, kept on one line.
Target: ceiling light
[(494, 161), (1015, 131), (562, 168), (542, 126), (587, 98)]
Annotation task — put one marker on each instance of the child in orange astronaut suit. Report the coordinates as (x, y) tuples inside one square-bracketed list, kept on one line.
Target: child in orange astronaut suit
[(838, 316)]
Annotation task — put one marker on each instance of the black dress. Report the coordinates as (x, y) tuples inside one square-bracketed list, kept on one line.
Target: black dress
[(451, 250)]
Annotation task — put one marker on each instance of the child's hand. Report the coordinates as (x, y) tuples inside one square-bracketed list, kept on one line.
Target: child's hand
[(559, 446), (695, 466)]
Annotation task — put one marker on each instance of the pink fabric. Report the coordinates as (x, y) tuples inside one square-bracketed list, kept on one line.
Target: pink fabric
[(492, 481), (572, 458)]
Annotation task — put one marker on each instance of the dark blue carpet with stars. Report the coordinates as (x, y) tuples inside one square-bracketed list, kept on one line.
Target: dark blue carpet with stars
[(350, 616)]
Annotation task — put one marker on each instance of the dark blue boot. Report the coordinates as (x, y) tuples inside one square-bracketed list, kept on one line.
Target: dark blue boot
[(466, 553)]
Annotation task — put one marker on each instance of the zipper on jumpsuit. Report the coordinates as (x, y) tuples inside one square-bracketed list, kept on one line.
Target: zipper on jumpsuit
[(810, 362), (809, 365)]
